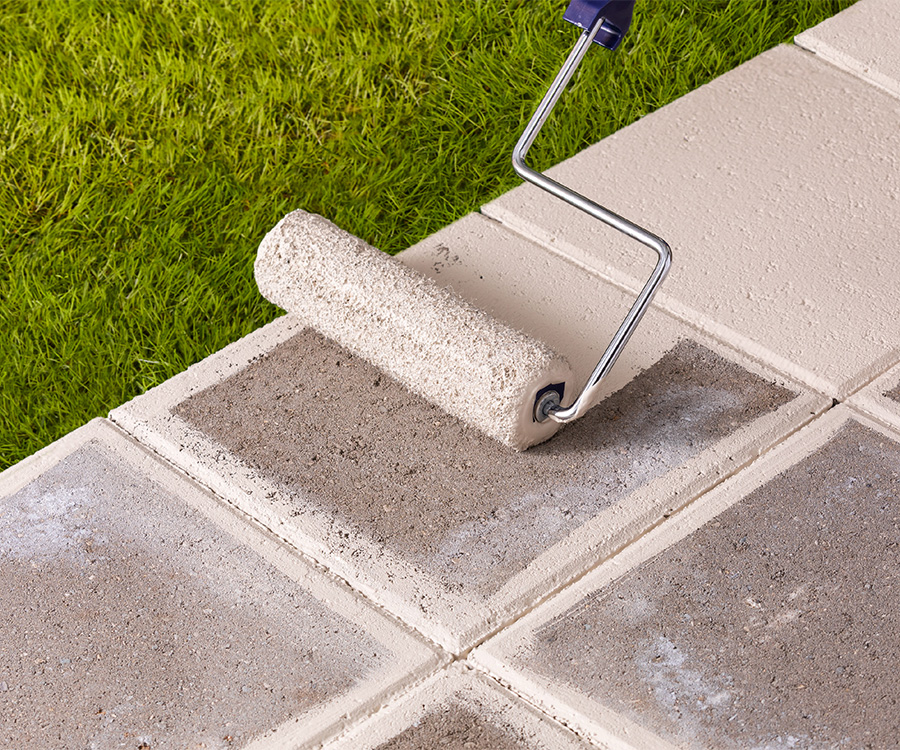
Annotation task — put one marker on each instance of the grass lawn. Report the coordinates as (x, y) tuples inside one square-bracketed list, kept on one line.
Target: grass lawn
[(146, 146)]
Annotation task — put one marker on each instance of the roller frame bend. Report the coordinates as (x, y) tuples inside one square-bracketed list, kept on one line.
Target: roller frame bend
[(549, 408)]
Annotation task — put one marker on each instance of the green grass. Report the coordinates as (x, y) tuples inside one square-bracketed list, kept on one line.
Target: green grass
[(146, 146)]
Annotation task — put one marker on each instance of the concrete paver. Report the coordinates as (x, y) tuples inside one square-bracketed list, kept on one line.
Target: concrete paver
[(138, 611), (861, 40), (763, 616), (777, 187), (448, 529), (457, 710), (881, 398)]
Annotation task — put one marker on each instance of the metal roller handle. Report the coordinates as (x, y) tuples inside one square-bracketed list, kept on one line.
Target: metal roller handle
[(546, 406)]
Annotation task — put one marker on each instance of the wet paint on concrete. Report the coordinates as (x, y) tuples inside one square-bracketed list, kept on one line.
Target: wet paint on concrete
[(775, 625), (336, 433), (127, 617)]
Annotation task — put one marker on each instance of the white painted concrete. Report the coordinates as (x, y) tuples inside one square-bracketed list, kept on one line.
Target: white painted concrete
[(777, 186)]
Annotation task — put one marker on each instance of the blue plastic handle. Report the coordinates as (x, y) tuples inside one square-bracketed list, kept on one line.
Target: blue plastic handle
[(616, 13)]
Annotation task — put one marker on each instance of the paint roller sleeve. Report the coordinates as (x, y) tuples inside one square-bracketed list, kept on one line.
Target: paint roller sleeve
[(432, 341)]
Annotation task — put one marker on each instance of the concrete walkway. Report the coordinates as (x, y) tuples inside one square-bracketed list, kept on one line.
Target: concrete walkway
[(282, 548)]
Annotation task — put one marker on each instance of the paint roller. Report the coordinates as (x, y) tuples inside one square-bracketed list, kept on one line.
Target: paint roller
[(506, 383)]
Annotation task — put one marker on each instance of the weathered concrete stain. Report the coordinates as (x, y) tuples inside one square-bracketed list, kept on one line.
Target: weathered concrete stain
[(125, 616)]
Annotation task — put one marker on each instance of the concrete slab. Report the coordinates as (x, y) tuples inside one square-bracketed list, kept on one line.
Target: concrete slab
[(861, 40), (881, 398), (777, 186), (765, 615), (139, 611), (449, 530), (458, 709)]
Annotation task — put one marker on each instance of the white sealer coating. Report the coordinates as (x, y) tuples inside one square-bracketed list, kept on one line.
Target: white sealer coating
[(777, 186)]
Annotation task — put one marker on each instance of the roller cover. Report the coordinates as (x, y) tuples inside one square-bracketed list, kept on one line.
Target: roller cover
[(435, 343)]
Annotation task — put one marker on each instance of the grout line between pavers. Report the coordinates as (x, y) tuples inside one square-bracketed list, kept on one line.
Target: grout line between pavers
[(543, 710), (879, 374), (308, 559), (878, 417), (386, 705)]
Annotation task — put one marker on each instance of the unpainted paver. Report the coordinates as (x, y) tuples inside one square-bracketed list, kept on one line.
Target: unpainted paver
[(881, 398), (457, 710), (862, 40), (777, 187), (766, 615), (448, 529), (138, 611)]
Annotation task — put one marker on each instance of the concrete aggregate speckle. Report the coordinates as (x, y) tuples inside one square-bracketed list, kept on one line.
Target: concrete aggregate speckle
[(336, 433), (127, 617), (775, 625)]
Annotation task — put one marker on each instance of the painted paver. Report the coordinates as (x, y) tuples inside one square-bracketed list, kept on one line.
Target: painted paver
[(766, 615), (458, 710), (449, 530), (881, 398), (777, 187), (139, 611), (861, 40)]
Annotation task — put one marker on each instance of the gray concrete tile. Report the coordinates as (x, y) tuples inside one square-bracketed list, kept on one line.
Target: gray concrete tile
[(452, 532), (457, 710), (777, 187), (861, 40), (766, 619), (137, 611)]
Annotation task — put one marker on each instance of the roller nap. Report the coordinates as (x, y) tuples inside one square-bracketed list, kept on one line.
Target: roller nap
[(435, 343)]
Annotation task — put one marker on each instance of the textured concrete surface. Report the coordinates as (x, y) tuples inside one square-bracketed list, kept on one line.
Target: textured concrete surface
[(777, 187), (861, 40), (130, 618), (458, 710), (773, 624)]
